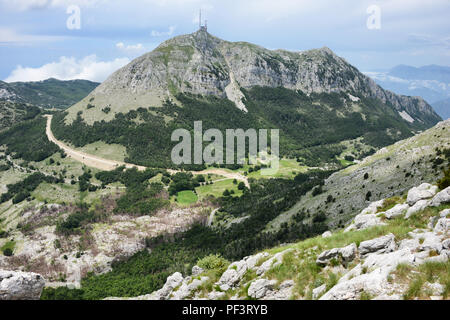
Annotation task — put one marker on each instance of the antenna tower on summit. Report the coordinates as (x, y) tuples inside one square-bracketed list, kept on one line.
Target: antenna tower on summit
[(200, 26)]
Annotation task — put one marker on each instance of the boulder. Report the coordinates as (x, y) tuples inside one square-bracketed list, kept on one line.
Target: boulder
[(164, 293), (196, 270), (259, 288), (436, 289), (319, 291), (283, 293), (346, 254), (444, 213), (397, 211), (272, 262), (373, 207), (364, 221), (374, 281), (428, 240), (233, 275), (382, 244), (20, 285), (441, 198), (327, 234), (442, 225), (417, 207), (187, 288), (422, 192)]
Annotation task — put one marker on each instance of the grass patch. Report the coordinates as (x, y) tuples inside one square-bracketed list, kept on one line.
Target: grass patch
[(186, 197), (8, 247)]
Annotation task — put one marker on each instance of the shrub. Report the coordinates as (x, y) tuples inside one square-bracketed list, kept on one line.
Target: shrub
[(213, 262), (8, 252)]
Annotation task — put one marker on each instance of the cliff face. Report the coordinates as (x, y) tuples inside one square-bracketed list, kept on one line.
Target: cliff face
[(200, 63)]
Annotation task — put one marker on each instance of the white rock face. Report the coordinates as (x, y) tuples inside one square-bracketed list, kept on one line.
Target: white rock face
[(318, 291), (20, 285), (396, 211), (383, 244), (272, 262), (442, 225), (442, 197), (347, 254), (327, 234), (422, 192), (364, 221), (260, 287), (373, 282), (417, 207), (233, 275), (196, 270)]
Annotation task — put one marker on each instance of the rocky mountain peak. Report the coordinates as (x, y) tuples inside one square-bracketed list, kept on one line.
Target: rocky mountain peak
[(200, 63)]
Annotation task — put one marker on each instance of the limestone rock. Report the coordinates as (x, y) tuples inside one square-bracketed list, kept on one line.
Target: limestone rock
[(327, 234), (272, 262), (417, 207), (442, 197), (374, 281), (364, 221), (422, 192), (196, 270), (442, 225), (347, 254), (396, 211), (318, 291), (260, 287), (383, 244), (20, 285)]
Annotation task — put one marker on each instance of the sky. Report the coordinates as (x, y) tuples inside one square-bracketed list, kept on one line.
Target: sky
[(90, 39)]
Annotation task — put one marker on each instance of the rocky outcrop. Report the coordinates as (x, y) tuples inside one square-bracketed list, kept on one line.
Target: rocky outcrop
[(20, 285), (422, 192), (441, 198), (345, 255), (383, 244), (259, 288)]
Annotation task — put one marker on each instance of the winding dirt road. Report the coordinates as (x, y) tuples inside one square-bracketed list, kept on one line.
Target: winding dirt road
[(108, 165)]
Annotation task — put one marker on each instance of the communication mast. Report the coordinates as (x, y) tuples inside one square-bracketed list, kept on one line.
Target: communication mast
[(200, 26)]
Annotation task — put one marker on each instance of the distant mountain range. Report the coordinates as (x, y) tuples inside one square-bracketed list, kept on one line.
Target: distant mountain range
[(429, 82), (51, 93)]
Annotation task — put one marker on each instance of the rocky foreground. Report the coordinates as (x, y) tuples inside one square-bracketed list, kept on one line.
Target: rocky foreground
[(394, 249), (369, 269)]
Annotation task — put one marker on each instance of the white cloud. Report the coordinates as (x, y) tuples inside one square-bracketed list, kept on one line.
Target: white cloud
[(69, 68), (164, 33), (123, 47)]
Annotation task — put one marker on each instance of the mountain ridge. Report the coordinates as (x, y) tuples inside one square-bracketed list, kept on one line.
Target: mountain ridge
[(200, 63)]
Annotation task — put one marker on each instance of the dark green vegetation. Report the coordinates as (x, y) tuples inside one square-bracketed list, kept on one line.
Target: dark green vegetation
[(12, 113), (146, 272), (21, 190), (311, 127), (50, 93), (27, 140), (141, 197)]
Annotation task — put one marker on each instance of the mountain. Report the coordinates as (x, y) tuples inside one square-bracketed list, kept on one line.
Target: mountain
[(442, 107), (432, 83), (50, 93), (315, 98)]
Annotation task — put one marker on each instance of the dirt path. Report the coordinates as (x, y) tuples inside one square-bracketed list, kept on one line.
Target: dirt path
[(108, 165)]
